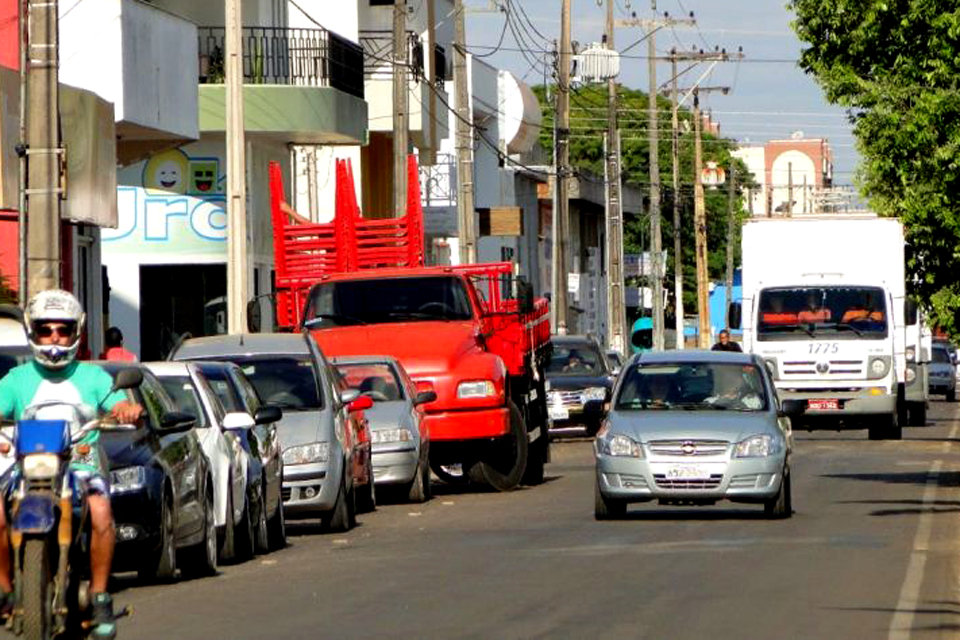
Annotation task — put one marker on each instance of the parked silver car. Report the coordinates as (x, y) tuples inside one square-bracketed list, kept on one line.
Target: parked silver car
[(692, 428), (326, 458), (400, 445), (943, 371)]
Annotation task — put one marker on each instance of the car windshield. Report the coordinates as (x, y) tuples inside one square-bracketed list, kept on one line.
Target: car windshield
[(184, 395), (842, 313), (387, 300), (376, 380), (576, 359), (692, 386), (286, 381), (941, 355)]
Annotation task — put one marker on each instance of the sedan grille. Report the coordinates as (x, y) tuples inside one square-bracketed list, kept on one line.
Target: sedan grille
[(566, 398), (688, 447), (689, 484)]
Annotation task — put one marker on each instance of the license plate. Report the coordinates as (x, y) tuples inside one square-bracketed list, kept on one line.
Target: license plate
[(559, 413), (823, 404), (687, 472)]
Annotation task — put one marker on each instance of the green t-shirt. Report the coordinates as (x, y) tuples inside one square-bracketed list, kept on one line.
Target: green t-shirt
[(79, 383)]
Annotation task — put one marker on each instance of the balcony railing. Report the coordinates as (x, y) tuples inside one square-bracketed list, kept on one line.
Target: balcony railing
[(276, 55), (378, 56)]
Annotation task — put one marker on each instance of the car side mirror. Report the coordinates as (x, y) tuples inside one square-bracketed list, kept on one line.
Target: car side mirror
[(735, 313), (910, 311), (349, 395), (177, 422), (524, 296), (268, 413), (424, 397), (792, 407), (127, 379), (362, 403), (238, 420)]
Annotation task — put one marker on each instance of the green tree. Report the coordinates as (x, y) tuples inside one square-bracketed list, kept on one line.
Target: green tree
[(588, 108), (895, 64)]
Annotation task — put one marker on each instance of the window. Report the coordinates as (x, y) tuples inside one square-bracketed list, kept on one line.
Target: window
[(812, 312), (707, 386), (217, 379), (284, 380), (184, 395), (373, 379), (576, 359)]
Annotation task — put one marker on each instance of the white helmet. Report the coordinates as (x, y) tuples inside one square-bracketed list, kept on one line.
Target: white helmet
[(54, 305)]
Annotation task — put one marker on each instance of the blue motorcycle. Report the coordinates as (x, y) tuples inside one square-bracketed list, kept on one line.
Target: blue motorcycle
[(49, 517)]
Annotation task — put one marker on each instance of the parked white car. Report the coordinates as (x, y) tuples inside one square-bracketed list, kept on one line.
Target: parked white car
[(188, 388)]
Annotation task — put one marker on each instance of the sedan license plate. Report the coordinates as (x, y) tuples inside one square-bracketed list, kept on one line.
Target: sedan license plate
[(823, 404), (687, 472), (559, 413)]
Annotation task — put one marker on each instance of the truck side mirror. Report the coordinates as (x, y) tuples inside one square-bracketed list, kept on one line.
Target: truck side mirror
[(910, 311), (734, 313), (254, 317), (524, 296)]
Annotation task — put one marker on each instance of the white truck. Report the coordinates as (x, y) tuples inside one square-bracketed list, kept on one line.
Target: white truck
[(824, 305)]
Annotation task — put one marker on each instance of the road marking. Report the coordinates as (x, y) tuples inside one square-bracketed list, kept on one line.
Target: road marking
[(902, 621)]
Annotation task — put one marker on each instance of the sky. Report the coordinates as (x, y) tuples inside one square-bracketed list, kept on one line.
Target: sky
[(770, 96)]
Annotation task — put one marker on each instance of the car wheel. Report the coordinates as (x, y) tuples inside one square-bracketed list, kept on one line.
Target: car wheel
[(918, 415), (200, 560), (340, 519), (367, 498), (244, 535), (417, 492), (504, 469), (952, 395), (162, 565), (781, 506), (262, 534), (605, 508), (277, 528), (228, 549)]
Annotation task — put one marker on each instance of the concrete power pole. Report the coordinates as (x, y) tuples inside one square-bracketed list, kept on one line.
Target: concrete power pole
[(677, 257), (700, 228), (616, 305), (44, 153), (401, 114), (465, 211), (238, 283), (732, 224), (562, 213), (656, 248)]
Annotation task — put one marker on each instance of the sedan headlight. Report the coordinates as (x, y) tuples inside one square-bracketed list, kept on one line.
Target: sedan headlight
[(619, 445), (40, 466), (128, 479), (594, 393), (759, 446), (307, 453), (384, 436), (476, 389)]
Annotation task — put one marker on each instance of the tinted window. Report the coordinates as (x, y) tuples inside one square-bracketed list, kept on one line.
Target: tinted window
[(184, 395), (708, 386), (838, 312), (247, 390), (941, 355), (373, 379), (387, 300), (217, 379), (286, 381), (154, 398), (576, 359)]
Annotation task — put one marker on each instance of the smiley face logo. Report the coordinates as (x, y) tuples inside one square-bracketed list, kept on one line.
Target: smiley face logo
[(203, 177), (166, 172)]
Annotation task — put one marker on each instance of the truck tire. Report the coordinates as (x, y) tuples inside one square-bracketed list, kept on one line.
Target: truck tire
[(918, 415), (504, 470), (885, 427)]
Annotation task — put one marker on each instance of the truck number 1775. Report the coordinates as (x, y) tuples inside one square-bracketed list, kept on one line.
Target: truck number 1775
[(824, 348)]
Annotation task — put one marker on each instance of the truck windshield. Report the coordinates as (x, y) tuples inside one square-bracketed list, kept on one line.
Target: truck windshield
[(387, 300), (801, 313)]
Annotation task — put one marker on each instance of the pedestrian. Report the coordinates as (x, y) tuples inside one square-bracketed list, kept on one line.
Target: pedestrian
[(115, 351), (725, 344)]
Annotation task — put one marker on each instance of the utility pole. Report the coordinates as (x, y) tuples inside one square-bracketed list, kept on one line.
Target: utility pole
[(428, 156), (789, 209), (44, 153), (732, 224), (312, 183), (700, 229), (24, 36), (616, 305), (655, 238), (562, 213), (238, 284), (401, 114), (677, 258), (465, 211)]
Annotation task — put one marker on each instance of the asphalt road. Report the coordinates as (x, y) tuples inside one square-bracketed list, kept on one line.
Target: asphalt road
[(872, 551)]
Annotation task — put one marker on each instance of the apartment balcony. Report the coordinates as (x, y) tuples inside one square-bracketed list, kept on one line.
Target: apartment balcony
[(427, 127), (133, 54), (303, 86)]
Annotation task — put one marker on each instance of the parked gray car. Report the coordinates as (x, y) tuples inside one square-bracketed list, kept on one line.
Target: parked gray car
[(326, 459), (400, 445), (943, 371), (692, 428)]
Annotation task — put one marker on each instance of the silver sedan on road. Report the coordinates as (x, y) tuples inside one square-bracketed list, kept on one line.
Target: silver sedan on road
[(400, 445), (692, 428)]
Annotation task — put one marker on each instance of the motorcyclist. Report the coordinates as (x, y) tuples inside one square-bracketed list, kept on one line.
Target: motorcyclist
[(54, 322)]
